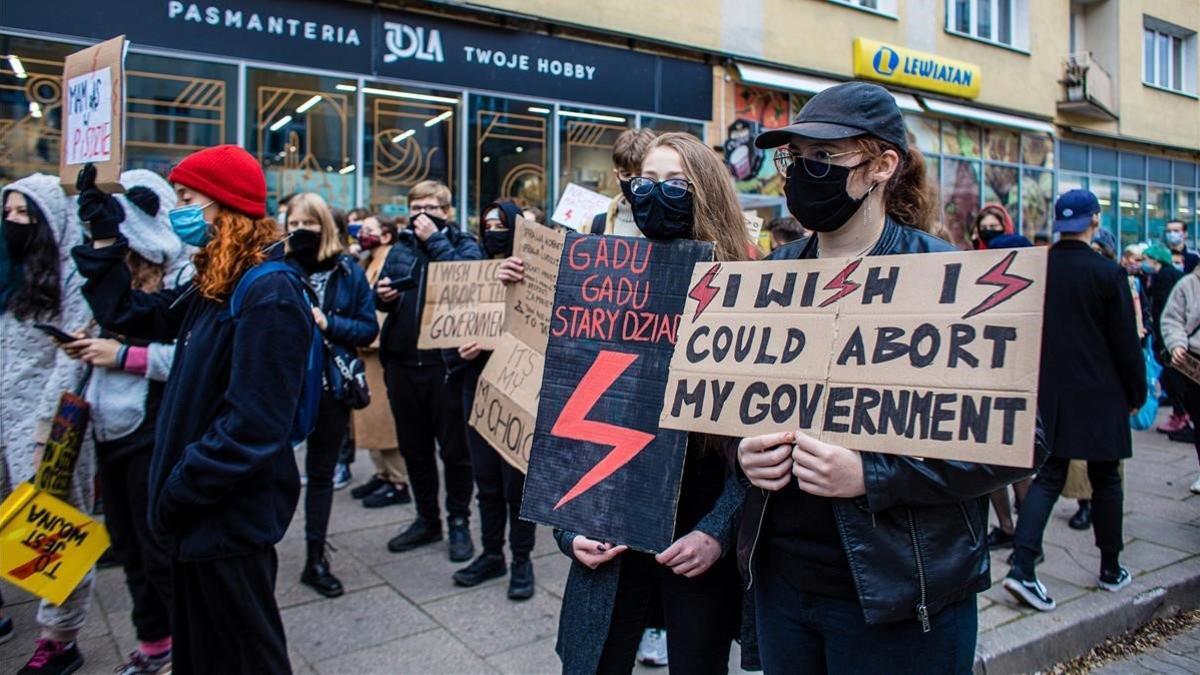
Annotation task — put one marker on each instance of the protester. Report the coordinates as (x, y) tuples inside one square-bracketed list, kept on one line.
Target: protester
[(40, 228), (628, 151), (839, 582), (345, 315), (534, 214), (1092, 377), (1131, 260), (784, 230), (125, 392), (498, 484), (992, 221), (1184, 257), (374, 428), (424, 386), (1161, 276), (223, 483), (1181, 335)]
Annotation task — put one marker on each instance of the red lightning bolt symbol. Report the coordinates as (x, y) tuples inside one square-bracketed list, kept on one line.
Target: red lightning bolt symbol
[(27, 569), (704, 291), (1010, 285), (842, 284), (626, 443)]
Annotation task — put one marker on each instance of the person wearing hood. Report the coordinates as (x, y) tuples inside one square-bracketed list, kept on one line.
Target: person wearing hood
[(628, 152), (345, 315), (498, 484), (1159, 270), (992, 221), (125, 392), (424, 386), (39, 228), (223, 483)]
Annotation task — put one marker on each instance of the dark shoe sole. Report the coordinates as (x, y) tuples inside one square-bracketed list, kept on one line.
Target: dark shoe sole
[(521, 595), (468, 583), (1075, 525), (463, 557), (401, 548), (325, 592)]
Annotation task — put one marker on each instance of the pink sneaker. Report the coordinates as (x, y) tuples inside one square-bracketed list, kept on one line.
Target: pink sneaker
[(1174, 423)]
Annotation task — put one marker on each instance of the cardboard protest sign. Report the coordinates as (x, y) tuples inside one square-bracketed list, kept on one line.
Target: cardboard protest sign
[(577, 206), (600, 465), (93, 114), (754, 226), (464, 302), (933, 355), (46, 546), (62, 447), (1189, 367), (506, 397)]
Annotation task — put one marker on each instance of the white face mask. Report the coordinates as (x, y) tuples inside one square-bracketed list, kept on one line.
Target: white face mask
[(1174, 238)]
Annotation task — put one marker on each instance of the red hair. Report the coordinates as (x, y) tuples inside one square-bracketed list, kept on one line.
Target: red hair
[(238, 243)]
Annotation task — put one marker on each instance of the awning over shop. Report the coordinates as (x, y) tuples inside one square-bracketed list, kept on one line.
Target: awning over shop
[(987, 116), (807, 84)]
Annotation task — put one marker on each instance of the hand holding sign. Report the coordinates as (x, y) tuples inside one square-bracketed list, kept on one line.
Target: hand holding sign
[(512, 271), (827, 470), (594, 553), (767, 460)]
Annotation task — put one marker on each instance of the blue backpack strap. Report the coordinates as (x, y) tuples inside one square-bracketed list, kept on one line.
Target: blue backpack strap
[(252, 275)]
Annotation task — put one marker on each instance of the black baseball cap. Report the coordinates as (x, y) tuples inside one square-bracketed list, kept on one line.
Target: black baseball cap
[(847, 110)]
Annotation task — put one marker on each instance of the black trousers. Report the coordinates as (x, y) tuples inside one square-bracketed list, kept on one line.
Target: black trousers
[(1191, 402), (499, 487), (427, 405), (701, 615), (147, 565), (226, 619), (1107, 499), (324, 450), (1175, 385)]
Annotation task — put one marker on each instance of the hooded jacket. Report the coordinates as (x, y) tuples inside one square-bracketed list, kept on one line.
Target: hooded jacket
[(997, 210), (35, 371)]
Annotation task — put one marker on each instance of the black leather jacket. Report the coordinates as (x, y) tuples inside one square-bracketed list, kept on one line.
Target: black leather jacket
[(917, 541)]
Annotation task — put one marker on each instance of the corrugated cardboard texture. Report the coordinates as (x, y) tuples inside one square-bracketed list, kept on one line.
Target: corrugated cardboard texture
[(89, 133), (464, 303)]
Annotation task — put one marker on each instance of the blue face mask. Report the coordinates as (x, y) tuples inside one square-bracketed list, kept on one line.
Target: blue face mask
[(1148, 270), (188, 223)]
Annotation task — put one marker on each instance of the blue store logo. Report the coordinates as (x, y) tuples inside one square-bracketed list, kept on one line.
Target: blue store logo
[(885, 61)]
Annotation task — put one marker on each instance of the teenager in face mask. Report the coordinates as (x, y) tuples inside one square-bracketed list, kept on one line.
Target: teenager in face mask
[(345, 315), (993, 221), (838, 585), (1175, 235), (628, 151)]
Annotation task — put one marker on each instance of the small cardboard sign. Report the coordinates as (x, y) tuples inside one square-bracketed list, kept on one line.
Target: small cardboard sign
[(61, 452), (528, 305), (1189, 367), (933, 356), (578, 206), (600, 465), (46, 546), (93, 114), (464, 303), (754, 226)]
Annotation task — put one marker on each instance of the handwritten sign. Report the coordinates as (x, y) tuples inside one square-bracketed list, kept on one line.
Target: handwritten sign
[(46, 546), (93, 114), (1190, 367), (578, 206), (62, 447), (931, 355), (600, 465), (464, 302), (528, 305)]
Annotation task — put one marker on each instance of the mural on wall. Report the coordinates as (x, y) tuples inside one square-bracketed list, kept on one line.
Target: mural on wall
[(756, 110)]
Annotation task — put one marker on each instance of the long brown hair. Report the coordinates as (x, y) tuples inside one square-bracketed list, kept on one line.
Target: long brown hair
[(146, 276), (717, 216), (907, 197), (238, 243)]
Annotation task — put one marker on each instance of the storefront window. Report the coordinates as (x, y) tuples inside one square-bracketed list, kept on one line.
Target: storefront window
[(1000, 187), (1185, 210), (959, 197), (586, 141), (1037, 201), (30, 119), (923, 133), (1106, 194), (1037, 150), (300, 128), (1002, 145), (1158, 211), (756, 110), (409, 135), (510, 149), (1130, 207), (962, 139)]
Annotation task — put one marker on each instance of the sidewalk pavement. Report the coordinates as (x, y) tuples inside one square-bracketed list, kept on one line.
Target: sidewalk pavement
[(402, 614), (1180, 654)]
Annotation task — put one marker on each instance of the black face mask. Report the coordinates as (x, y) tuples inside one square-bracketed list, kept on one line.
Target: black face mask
[(17, 237), (988, 235), (626, 190), (498, 242), (439, 223), (661, 217), (821, 204), (303, 247)]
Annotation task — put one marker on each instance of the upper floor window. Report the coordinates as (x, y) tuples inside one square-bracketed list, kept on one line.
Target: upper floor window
[(887, 7), (1169, 56), (1001, 21)]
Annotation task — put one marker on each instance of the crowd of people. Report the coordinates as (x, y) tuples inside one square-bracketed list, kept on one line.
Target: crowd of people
[(212, 339)]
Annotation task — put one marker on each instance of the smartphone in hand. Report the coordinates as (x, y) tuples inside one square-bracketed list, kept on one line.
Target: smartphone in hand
[(59, 335)]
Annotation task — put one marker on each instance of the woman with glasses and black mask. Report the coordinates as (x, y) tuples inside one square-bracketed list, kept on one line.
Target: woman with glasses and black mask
[(838, 581)]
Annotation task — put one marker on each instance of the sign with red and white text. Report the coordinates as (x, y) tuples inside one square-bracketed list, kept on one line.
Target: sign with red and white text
[(578, 206), (93, 114)]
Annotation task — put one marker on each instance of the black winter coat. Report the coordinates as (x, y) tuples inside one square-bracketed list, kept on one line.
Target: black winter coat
[(349, 307), (1093, 372), (917, 541), (223, 479)]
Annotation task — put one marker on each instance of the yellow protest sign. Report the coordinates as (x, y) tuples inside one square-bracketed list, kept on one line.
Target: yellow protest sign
[(46, 546)]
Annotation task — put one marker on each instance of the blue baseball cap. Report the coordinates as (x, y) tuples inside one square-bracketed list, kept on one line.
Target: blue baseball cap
[(1074, 210)]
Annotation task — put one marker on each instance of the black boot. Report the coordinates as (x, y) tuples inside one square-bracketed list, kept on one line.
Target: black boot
[(486, 566), (461, 548), (520, 582), (316, 574), (1082, 519), (417, 534)]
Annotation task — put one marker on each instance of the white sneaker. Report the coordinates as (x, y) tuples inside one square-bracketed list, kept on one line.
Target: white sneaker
[(652, 651), (1196, 486)]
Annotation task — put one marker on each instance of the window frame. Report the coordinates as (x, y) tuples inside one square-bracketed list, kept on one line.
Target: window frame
[(1018, 31), (1177, 75), (887, 8)]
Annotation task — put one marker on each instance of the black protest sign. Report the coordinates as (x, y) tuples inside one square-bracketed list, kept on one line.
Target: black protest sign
[(600, 466)]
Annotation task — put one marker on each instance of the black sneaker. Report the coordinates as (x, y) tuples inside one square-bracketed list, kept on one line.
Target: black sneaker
[(1184, 435), (520, 582), (486, 566), (51, 657), (342, 476), (1115, 581), (998, 538), (368, 488), (418, 534), (1082, 519), (387, 495), (6, 629), (461, 548), (1030, 592), (1041, 558)]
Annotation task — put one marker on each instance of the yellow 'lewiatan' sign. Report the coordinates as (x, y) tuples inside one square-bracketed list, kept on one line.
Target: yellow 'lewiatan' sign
[(909, 68), (46, 546)]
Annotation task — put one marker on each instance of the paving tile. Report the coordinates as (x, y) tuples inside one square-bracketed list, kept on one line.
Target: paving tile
[(551, 573), (422, 578), (321, 630), (352, 572), (1144, 556), (996, 615), (433, 651), (490, 623), (370, 546), (535, 658), (1163, 532)]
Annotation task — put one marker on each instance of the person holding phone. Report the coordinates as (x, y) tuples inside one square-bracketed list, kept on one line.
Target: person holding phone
[(43, 287)]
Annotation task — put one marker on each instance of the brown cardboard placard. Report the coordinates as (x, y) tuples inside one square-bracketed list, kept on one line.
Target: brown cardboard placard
[(93, 115), (464, 303), (528, 304), (934, 355), (1190, 367)]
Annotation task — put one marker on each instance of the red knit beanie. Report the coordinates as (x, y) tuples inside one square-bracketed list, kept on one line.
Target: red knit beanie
[(229, 175)]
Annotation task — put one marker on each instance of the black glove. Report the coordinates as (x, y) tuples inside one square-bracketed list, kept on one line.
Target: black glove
[(97, 209)]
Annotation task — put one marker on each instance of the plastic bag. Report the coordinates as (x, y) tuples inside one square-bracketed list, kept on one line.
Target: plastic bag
[(1144, 418)]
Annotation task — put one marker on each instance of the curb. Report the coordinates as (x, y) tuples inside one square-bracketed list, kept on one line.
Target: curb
[(1042, 640)]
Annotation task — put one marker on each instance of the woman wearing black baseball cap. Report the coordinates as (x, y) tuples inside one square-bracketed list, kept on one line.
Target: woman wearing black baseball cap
[(860, 556)]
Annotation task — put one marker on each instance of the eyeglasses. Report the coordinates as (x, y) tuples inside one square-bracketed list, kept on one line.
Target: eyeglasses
[(672, 187), (817, 166), (426, 208)]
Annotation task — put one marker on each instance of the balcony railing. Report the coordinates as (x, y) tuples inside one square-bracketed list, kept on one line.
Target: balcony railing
[(1088, 89)]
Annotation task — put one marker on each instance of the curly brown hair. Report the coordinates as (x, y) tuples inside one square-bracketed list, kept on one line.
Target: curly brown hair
[(239, 243), (908, 196)]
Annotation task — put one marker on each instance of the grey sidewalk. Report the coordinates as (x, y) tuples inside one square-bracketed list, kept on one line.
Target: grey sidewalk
[(402, 613), (1180, 654)]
